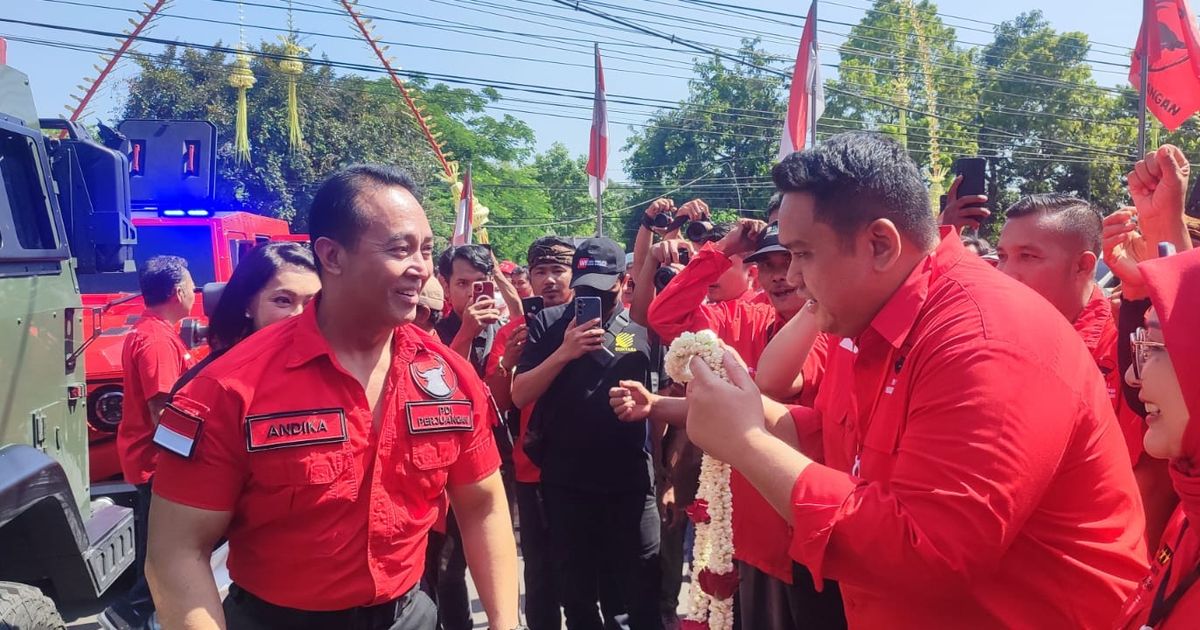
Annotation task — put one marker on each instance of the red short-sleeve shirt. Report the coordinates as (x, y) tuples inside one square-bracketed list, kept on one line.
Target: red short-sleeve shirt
[(760, 536), (526, 471), (326, 514), (153, 358)]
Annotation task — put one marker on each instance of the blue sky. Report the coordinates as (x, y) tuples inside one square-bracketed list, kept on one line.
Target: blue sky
[(554, 40)]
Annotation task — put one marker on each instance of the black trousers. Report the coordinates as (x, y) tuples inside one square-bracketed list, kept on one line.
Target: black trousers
[(453, 600), (672, 567), (411, 611), (768, 603), (541, 599), (604, 541)]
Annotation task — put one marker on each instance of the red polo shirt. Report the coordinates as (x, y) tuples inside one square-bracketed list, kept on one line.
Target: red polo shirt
[(525, 470), (327, 513), (976, 477), (1098, 330), (153, 358), (760, 536)]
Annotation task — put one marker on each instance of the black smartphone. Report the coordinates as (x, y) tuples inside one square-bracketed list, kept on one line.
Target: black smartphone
[(587, 308), (532, 305), (974, 174), (685, 256)]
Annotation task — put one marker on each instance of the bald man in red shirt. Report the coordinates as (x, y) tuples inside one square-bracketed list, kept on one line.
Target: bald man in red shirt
[(975, 475)]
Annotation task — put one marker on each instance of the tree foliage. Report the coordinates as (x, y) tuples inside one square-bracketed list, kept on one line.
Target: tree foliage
[(345, 119), (1027, 100), (902, 75), (723, 136), (1038, 103), (350, 119)]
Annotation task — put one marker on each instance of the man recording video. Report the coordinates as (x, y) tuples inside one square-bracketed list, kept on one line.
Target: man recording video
[(596, 476)]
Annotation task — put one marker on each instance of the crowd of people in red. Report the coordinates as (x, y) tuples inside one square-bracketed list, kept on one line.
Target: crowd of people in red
[(924, 434)]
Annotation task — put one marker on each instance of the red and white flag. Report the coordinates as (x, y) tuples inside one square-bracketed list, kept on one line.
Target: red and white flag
[(466, 209), (1169, 35), (807, 100), (597, 163)]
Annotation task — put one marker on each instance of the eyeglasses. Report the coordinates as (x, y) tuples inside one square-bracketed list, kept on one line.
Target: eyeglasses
[(1142, 347)]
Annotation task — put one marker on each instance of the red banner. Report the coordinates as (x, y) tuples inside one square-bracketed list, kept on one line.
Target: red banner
[(1169, 35)]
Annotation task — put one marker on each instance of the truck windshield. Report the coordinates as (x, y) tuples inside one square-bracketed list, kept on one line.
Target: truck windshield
[(193, 243)]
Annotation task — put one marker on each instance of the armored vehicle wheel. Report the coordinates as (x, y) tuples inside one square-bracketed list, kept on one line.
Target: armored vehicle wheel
[(23, 607)]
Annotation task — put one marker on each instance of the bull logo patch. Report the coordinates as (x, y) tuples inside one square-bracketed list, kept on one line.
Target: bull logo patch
[(431, 373)]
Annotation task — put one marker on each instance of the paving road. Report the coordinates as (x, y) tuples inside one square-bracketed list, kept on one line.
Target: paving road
[(84, 618)]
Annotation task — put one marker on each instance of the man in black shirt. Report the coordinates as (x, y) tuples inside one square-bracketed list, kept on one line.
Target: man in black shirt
[(472, 323), (596, 475)]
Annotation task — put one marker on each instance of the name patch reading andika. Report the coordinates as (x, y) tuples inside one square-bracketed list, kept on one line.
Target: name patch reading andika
[(439, 415), (295, 428)]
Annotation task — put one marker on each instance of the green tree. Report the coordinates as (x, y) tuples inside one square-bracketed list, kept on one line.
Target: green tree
[(900, 73), (345, 119), (723, 136), (1039, 104)]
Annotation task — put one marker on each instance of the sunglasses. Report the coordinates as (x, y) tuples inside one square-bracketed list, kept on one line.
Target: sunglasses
[(1142, 347)]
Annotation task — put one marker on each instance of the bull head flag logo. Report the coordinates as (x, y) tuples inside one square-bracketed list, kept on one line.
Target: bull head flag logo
[(433, 376)]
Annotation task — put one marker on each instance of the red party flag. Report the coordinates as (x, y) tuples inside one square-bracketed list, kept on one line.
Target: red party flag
[(1170, 38)]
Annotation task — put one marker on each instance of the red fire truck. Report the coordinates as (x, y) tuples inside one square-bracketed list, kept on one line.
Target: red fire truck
[(212, 247), (171, 182)]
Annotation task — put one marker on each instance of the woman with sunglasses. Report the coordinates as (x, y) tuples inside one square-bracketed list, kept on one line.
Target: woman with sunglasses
[(1166, 371)]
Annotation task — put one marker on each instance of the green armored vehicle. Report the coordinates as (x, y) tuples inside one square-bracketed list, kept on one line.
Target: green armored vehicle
[(64, 207)]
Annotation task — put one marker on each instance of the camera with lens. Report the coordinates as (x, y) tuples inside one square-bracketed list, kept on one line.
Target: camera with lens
[(663, 277), (699, 231), (667, 273)]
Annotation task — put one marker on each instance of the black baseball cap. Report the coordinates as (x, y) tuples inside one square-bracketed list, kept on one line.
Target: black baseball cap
[(768, 243), (597, 264)]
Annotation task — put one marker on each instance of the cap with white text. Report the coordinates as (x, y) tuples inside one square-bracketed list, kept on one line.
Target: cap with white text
[(598, 262)]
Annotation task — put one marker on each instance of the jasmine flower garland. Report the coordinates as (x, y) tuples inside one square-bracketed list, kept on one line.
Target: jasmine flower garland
[(714, 580)]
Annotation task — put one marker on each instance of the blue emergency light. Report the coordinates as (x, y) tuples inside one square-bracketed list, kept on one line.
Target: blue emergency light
[(194, 212)]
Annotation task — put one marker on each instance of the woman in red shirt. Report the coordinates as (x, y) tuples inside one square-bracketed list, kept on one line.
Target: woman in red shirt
[(1166, 368)]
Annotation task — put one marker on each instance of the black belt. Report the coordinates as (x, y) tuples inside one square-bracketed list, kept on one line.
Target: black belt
[(264, 614)]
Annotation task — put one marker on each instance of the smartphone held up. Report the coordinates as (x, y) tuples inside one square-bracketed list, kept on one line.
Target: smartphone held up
[(587, 308), (485, 288)]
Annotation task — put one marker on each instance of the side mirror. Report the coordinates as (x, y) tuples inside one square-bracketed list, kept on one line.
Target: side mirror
[(193, 332)]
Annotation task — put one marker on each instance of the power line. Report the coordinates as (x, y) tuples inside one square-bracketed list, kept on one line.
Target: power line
[(717, 132), (676, 40), (833, 22), (1125, 50), (946, 142), (478, 31)]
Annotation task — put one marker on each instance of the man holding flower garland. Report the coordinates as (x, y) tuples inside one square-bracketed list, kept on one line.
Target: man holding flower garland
[(974, 474)]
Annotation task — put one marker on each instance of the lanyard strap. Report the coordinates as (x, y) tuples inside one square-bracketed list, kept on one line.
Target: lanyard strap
[(1163, 603)]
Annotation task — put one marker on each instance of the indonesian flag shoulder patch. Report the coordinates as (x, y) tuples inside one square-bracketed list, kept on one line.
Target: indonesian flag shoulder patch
[(177, 431)]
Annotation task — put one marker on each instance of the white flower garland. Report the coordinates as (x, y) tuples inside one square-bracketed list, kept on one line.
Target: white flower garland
[(714, 539)]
